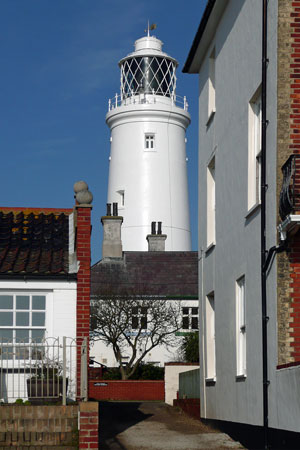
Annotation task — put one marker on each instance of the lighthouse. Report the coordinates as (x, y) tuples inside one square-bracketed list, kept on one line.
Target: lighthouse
[(147, 168)]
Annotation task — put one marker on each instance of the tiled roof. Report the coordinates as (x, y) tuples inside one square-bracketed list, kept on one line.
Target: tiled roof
[(170, 274), (34, 241)]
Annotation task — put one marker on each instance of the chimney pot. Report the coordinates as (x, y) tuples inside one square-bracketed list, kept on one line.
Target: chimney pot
[(108, 209), (159, 227), (115, 209), (153, 227)]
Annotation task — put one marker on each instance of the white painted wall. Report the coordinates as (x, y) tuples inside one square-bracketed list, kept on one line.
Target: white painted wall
[(172, 380), (60, 321), (159, 355)]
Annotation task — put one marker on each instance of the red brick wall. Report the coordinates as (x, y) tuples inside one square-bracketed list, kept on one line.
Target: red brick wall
[(294, 139), (127, 390), (83, 251), (88, 425), (288, 143), (189, 405)]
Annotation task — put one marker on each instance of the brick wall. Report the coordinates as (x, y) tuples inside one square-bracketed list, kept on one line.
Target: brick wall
[(127, 390), (83, 251), (288, 142), (23, 426), (89, 424), (189, 405)]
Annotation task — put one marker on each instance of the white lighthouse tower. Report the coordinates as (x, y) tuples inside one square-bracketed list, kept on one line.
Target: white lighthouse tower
[(147, 173)]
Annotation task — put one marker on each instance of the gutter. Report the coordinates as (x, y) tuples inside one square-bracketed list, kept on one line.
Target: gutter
[(40, 277)]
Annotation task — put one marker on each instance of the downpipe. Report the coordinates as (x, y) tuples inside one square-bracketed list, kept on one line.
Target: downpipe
[(263, 187)]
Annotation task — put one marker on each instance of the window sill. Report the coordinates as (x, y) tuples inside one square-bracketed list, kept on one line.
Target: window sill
[(210, 118), (210, 247), (210, 381), (252, 210), (240, 377)]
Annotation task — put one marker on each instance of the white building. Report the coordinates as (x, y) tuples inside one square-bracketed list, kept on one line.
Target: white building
[(44, 282), (227, 56), (170, 276), (147, 173)]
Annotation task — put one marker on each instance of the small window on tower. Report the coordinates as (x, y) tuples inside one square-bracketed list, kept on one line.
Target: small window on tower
[(149, 142), (122, 198)]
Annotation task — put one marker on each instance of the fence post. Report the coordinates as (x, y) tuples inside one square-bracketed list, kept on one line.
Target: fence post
[(64, 399), (84, 371)]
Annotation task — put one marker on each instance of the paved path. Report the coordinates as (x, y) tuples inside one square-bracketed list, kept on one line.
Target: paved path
[(156, 426)]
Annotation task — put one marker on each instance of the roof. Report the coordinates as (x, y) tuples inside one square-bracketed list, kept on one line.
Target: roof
[(209, 21), (167, 274), (34, 241)]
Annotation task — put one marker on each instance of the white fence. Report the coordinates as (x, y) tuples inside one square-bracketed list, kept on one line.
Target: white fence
[(42, 371), (174, 100)]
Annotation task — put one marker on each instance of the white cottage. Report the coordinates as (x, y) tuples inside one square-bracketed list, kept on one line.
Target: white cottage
[(44, 281)]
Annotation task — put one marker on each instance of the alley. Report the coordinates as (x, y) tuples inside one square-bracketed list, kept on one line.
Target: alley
[(155, 426)]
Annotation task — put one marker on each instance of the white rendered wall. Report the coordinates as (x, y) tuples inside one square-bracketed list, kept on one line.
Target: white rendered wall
[(60, 321), (154, 182), (172, 380), (236, 253), (159, 355)]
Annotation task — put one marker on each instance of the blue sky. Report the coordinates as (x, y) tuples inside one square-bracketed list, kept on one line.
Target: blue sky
[(58, 70)]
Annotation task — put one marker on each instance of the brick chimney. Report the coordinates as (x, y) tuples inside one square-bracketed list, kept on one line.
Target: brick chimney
[(156, 241), (82, 211), (112, 243)]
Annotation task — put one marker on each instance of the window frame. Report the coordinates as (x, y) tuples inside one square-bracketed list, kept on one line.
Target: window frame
[(210, 337), (16, 342), (141, 318), (211, 203), (254, 149), (149, 142), (190, 316), (241, 334), (212, 84)]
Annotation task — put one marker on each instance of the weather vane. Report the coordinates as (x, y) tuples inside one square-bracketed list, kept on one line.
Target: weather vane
[(150, 28)]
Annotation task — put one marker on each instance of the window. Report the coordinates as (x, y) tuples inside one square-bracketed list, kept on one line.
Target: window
[(22, 321), (122, 198), (211, 203), (139, 318), (210, 336), (190, 318), (240, 327), (254, 150), (149, 142), (211, 84)]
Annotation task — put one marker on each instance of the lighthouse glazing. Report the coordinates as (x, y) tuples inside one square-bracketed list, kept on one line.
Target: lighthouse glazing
[(148, 173)]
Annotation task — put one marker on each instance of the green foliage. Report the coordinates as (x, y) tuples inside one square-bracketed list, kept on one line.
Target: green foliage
[(142, 372), (19, 401), (148, 372), (190, 347), (112, 374)]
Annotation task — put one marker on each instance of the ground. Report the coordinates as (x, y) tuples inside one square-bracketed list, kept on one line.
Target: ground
[(156, 426)]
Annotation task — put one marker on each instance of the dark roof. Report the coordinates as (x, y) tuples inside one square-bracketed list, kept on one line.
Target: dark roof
[(170, 274), (208, 9), (34, 241)]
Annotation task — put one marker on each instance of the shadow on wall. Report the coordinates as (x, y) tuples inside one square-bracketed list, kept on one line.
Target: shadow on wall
[(112, 421)]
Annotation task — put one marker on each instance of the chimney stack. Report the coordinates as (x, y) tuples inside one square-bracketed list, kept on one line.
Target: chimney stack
[(156, 242), (112, 244)]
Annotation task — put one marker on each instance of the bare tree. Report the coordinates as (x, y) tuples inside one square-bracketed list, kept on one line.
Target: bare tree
[(134, 326)]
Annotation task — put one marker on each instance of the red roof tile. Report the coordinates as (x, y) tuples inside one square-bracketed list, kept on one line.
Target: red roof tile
[(34, 241)]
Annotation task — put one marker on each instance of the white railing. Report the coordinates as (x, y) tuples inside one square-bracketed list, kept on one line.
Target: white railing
[(119, 100), (44, 371)]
